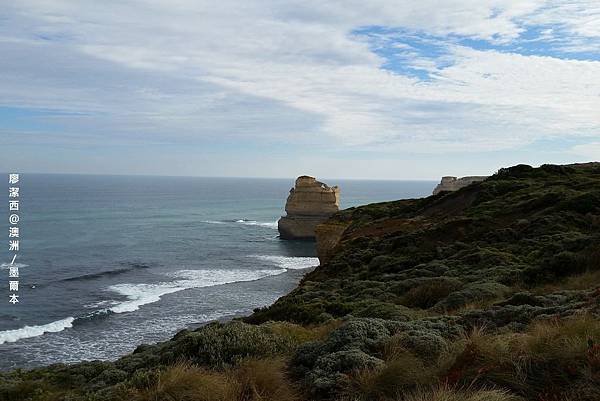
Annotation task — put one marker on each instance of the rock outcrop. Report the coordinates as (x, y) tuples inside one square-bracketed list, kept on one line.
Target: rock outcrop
[(449, 184), (310, 203), (328, 236)]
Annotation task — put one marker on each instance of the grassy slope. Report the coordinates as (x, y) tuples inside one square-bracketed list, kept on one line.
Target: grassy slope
[(486, 293), (516, 230)]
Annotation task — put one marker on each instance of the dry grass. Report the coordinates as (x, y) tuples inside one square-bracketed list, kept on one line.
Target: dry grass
[(300, 334), (584, 281), (567, 339), (542, 363), (264, 380), (444, 393), (183, 382), (475, 305), (402, 373), (252, 380)]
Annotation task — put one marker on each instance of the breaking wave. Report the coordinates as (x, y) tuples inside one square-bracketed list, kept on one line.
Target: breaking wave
[(10, 336), (246, 222), (289, 262), (272, 224), (142, 294)]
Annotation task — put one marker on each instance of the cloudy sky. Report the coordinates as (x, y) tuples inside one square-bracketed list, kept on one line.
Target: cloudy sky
[(343, 89)]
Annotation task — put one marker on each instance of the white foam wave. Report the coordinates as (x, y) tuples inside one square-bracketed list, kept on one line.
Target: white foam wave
[(142, 294), (289, 262), (10, 336), (5, 266), (99, 304), (269, 224), (272, 225)]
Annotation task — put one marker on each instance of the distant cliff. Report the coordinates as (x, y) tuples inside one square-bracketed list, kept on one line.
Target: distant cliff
[(449, 183), (309, 203)]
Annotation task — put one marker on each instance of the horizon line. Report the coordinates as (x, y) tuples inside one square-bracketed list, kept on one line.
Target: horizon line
[(225, 177)]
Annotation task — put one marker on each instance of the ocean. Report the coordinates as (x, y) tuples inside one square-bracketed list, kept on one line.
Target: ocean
[(110, 262)]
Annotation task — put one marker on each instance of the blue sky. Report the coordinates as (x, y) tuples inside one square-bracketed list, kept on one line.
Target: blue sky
[(343, 89)]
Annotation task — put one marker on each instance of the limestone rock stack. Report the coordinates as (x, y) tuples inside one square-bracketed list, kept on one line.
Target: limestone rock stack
[(454, 184), (309, 203)]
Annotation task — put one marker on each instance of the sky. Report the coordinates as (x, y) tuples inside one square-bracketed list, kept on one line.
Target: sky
[(376, 89)]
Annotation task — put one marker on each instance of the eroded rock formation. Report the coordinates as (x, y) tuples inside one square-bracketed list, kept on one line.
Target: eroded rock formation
[(310, 203), (450, 184)]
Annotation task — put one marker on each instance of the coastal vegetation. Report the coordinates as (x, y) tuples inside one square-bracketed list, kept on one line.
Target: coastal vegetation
[(490, 293)]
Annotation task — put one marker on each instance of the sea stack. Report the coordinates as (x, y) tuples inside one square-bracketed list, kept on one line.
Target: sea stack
[(310, 202)]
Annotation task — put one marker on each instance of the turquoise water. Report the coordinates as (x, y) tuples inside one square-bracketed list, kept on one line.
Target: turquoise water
[(109, 262)]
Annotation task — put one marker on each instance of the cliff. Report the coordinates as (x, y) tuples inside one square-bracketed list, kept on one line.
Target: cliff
[(490, 292), (449, 183), (309, 203)]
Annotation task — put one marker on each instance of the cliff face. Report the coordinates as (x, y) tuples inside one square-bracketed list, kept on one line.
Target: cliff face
[(328, 235), (450, 184), (310, 203)]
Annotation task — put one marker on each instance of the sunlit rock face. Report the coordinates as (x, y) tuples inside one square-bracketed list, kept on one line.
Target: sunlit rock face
[(310, 202), (449, 184)]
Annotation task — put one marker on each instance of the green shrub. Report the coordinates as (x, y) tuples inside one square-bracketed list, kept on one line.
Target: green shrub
[(218, 345), (398, 376), (430, 292), (476, 292)]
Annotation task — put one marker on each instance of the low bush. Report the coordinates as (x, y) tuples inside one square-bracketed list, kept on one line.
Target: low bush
[(430, 292), (221, 345), (402, 374), (476, 292)]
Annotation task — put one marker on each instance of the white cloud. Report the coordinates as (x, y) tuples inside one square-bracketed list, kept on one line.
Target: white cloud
[(187, 68)]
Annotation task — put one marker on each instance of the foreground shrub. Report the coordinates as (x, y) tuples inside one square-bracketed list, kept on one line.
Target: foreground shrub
[(324, 367), (220, 345), (252, 380)]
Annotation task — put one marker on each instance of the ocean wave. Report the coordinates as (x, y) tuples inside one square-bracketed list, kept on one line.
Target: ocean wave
[(142, 294), (10, 336), (272, 225), (289, 262), (267, 224), (92, 276)]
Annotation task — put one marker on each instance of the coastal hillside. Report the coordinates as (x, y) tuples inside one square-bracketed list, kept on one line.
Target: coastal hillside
[(491, 292)]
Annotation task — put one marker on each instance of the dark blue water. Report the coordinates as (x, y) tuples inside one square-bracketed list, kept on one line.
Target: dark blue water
[(109, 262)]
